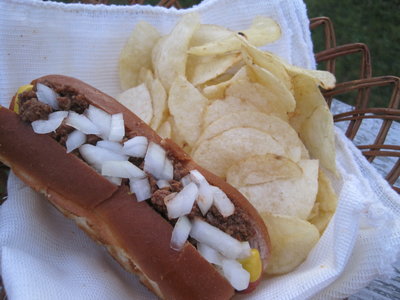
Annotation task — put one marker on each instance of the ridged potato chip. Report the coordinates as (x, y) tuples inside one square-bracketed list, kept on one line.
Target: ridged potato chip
[(263, 31), (325, 203), (279, 130), (313, 121), (186, 105), (287, 196), (219, 108), (137, 54), (170, 53), (261, 169), (138, 100), (291, 239), (200, 69), (220, 152)]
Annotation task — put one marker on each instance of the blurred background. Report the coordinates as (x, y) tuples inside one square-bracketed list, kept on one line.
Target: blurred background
[(375, 23)]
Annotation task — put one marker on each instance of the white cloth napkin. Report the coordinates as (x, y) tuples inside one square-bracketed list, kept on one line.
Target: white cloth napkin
[(45, 256)]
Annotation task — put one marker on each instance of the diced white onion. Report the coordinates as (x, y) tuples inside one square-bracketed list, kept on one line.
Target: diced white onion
[(154, 160), (210, 254), (117, 128), (185, 180), (168, 170), (141, 188), (205, 197), (82, 123), (197, 177), (51, 124), (216, 238), (233, 271), (95, 156), (122, 169), (180, 233), (222, 202), (115, 180), (162, 183), (47, 95), (183, 201), (136, 146), (113, 146), (101, 119), (246, 250), (74, 140)]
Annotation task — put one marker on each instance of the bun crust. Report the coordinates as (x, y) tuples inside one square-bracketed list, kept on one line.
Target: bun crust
[(133, 232)]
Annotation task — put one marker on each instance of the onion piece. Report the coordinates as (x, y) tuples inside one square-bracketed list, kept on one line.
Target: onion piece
[(135, 146), (51, 124), (122, 169), (167, 171), (115, 180), (101, 119), (185, 180), (233, 271), (180, 233), (117, 128), (141, 188), (82, 123), (95, 156), (216, 238), (210, 254), (113, 146), (74, 140), (162, 183), (154, 160), (222, 202), (183, 201), (47, 95), (205, 198), (246, 250), (197, 177)]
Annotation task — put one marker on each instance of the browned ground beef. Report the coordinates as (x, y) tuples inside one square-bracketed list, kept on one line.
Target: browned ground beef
[(31, 110), (237, 225)]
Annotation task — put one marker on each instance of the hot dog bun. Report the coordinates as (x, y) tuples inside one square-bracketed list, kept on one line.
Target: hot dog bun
[(133, 232)]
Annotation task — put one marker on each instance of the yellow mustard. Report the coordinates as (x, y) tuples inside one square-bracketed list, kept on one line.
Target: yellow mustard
[(21, 89), (253, 265)]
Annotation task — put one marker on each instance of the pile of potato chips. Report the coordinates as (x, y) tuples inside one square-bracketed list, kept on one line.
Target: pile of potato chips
[(244, 114)]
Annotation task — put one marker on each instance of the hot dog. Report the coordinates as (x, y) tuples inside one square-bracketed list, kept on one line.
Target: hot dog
[(185, 232)]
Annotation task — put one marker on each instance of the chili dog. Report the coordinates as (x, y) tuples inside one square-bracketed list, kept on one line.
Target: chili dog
[(139, 195)]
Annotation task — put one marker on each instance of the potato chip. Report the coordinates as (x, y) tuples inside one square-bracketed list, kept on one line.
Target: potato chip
[(137, 54), (159, 101), (291, 241), (200, 69), (271, 82), (165, 130), (138, 100), (268, 61), (259, 96), (222, 151), (187, 105), (217, 90), (207, 33), (322, 78), (292, 196), (219, 108), (317, 133), (262, 31), (326, 203), (170, 54), (279, 130), (262, 168)]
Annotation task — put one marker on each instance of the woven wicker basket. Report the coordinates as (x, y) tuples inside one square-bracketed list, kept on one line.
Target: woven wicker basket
[(359, 112)]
